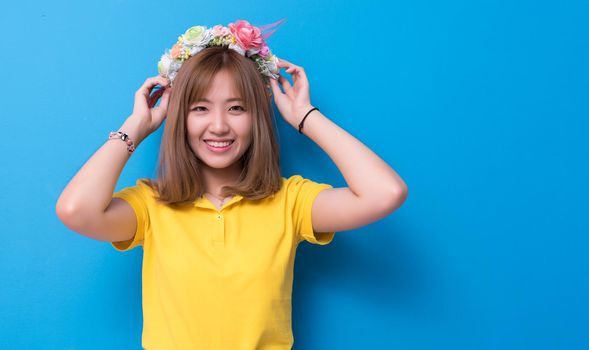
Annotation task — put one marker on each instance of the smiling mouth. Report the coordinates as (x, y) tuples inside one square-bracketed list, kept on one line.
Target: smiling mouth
[(219, 144)]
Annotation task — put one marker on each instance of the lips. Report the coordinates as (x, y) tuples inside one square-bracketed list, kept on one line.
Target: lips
[(219, 148)]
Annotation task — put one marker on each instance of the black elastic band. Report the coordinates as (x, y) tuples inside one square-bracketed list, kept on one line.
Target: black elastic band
[(301, 124)]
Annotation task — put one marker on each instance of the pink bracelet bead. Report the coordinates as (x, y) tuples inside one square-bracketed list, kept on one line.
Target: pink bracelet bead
[(124, 137)]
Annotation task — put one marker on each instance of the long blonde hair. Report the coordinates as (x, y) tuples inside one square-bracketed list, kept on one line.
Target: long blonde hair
[(179, 178)]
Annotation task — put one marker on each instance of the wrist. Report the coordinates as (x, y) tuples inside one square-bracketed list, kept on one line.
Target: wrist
[(303, 113), (297, 115), (135, 129)]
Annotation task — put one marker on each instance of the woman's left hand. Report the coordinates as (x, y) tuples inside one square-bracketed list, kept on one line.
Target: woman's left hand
[(295, 101)]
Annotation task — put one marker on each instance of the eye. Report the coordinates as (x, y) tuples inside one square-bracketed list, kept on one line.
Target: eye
[(238, 107), (197, 108)]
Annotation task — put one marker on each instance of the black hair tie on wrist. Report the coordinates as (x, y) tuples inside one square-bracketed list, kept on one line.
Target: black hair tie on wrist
[(301, 124)]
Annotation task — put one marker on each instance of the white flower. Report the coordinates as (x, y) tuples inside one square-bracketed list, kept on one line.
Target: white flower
[(175, 65), (195, 49), (173, 69), (172, 76), (253, 51), (237, 48), (163, 65), (272, 65)]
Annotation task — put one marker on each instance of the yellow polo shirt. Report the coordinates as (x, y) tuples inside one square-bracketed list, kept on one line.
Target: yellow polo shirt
[(221, 279)]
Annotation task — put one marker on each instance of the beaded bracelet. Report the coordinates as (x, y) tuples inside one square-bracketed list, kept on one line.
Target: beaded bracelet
[(121, 135)]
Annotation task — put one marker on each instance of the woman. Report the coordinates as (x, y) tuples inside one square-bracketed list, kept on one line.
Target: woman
[(220, 225)]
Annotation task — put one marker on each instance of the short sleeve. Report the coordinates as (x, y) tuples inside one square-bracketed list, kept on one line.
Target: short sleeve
[(304, 192), (136, 196)]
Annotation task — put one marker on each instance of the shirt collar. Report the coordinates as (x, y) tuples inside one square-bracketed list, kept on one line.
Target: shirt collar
[(204, 202)]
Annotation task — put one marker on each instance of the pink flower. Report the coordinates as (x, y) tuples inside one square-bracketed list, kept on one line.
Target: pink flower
[(264, 51), (246, 35), (220, 30)]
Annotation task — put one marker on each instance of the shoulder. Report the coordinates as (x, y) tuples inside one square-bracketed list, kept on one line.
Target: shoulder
[(293, 180), (145, 187), (297, 180), (297, 185)]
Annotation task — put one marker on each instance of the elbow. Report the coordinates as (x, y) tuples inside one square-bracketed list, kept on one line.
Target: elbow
[(403, 195), (397, 197), (68, 213), (64, 212), (63, 207)]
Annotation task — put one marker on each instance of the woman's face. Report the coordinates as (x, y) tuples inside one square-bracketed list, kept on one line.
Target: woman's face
[(219, 117)]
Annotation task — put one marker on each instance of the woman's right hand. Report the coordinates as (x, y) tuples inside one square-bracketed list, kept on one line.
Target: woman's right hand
[(144, 109)]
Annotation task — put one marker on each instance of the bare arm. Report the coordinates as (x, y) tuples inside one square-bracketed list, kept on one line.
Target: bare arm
[(89, 192), (374, 188), (86, 204)]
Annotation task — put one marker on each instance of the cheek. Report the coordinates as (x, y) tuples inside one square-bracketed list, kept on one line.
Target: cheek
[(192, 128), (246, 138), (246, 128)]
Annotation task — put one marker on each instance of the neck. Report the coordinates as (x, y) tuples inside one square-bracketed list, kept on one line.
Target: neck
[(215, 179)]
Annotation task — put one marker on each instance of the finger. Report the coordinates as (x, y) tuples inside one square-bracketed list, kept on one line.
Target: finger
[(289, 67), (294, 72), (146, 90), (157, 80), (165, 97), (284, 63), (278, 95), (299, 77), (285, 84), (150, 83), (297, 73), (275, 88), (164, 102)]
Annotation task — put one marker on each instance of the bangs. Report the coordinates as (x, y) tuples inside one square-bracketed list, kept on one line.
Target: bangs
[(203, 77)]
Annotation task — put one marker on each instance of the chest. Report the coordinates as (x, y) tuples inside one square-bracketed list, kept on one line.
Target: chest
[(237, 242)]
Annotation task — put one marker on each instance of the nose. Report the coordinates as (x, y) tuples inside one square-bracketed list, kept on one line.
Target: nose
[(219, 123)]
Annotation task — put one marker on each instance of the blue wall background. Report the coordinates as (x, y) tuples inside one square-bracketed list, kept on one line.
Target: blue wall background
[(480, 106)]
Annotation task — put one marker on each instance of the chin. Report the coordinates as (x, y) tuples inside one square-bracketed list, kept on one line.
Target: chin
[(217, 164)]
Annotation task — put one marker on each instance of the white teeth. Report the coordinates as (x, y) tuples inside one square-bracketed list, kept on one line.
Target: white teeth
[(219, 144)]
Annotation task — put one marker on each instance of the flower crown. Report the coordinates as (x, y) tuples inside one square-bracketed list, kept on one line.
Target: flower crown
[(240, 36)]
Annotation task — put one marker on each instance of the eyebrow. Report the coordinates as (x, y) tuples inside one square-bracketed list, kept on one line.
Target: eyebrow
[(227, 100)]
